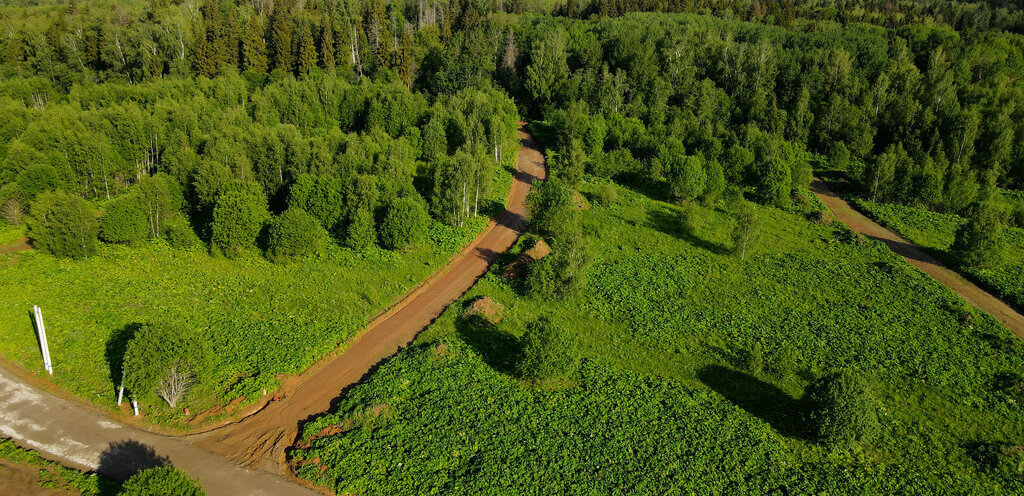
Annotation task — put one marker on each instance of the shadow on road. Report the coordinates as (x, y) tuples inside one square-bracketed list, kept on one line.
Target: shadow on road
[(123, 459)]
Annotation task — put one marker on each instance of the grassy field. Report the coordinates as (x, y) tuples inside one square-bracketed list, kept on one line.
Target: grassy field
[(935, 231), (263, 319), (10, 234), (695, 366), (52, 475)]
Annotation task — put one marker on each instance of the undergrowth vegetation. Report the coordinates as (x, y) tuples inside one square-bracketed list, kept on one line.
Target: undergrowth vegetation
[(695, 374)]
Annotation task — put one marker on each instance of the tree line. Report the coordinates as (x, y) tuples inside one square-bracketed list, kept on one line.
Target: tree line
[(916, 105), (359, 163)]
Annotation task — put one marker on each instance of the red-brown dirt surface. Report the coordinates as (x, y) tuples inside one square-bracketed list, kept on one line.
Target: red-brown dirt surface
[(23, 479), (260, 440), (19, 245), (920, 259)]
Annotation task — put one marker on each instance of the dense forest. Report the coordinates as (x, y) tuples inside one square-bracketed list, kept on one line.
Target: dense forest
[(271, 173), (178, 103)]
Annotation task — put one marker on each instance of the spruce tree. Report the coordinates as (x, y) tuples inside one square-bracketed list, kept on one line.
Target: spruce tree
[(229, 40), (281, 39), (327, 44), (203, 58), (254, 49), (307, 53), (406, 59)]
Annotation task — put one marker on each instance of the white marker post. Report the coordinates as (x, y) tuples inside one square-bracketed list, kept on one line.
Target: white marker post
[(41, 332), (120, 390), (135, 407)]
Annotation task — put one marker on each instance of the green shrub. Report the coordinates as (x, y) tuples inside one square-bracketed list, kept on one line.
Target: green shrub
[(237, 220), (611, 164), (548, 352), (295, 234), (687, 177), (360, 234), (844, 408), (774, 183), (563, 273), (64, 225), (980, 243), (605, 195), (405, 223), (715, 184), (161, 481), (551, 208), (179, 233), (36, 179), (166, 362), (123, 220), (689, 219), (321, 197), (838, 156)]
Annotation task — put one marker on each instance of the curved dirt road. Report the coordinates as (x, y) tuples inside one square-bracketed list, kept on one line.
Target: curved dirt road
[(260, 440), (974, 295), (84, 439)]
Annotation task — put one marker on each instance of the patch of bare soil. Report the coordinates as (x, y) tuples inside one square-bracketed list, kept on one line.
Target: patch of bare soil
[(485, 308), (23, 479), (19, 245), (580, 201), (521, 265)]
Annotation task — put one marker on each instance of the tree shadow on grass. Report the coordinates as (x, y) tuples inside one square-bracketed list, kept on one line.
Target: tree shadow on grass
[(784, 413), (117, 343), (123, 459), (668, 222), (499, 349)]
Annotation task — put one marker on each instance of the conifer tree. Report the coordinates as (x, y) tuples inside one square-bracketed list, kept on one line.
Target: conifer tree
[(229, 40), (254, 49), (204, 61), (213, 55), (327, 44), (281, 39), (307, 53), (406, 58)]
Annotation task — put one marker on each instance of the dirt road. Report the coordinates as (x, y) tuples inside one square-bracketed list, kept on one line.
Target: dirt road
[(260, 440), (84, 439), (919, 258)]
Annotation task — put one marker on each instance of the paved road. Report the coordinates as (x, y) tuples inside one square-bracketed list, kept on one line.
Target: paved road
[(84, 439), (914, 254), (260, 440)]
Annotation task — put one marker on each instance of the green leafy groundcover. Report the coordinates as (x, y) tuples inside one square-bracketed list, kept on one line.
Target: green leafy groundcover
[(935, 231), (609, 431), (696, 366)]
